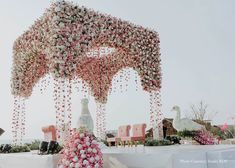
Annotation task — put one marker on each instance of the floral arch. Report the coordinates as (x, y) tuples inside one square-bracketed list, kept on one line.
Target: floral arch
[(71, 42)]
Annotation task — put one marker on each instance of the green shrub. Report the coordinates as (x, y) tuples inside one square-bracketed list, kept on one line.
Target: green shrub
[(34, 145), (186, 133), (18, 149), (217, 132), (153, 142)]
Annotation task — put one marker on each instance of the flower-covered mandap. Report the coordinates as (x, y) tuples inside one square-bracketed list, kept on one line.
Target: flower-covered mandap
[(67, 42)]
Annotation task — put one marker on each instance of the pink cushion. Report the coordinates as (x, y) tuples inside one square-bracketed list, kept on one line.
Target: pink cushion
[(124, 131), (125, 138), (132, 138), (113, 139), (138, 130), (137, 138)]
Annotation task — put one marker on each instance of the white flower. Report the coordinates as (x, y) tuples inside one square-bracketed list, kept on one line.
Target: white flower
[(57, 9), (91, 159), (70, 145), (77, 165), (85, 162), (88, 144), (81, 135), (94, 142), (71, 165), (75, 159), (83, 156), (61, 24), (87, 138), (79, 146), (89, 150), (96, 165), (55, 18), (94, 151), (77, 141), (67, 163), (66, 151), (97, 158)]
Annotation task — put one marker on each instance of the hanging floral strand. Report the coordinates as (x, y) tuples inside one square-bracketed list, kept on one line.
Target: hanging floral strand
[(76, 83), (121, 81), (136, 81), (159, 112), (42, 85), (152, 114), (69, 106), (18, 121), (127, 78), (56, 95), (63, 125), (98, 121), (15, 120), (22, 120)]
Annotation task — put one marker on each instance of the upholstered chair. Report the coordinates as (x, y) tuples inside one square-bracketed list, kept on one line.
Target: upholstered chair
[(138, 134), (49, 133), (123, 131)]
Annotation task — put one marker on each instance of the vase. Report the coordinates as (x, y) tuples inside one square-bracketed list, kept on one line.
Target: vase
[(85, 119)]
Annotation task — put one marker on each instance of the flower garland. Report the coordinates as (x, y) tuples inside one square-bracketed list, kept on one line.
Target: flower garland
[(80, 151), (62, 97), (18, 121)]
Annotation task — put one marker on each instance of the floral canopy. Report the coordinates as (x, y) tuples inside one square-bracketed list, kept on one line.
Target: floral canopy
[(67, 42)]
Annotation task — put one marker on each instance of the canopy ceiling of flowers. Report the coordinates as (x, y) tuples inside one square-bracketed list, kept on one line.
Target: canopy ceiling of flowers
[(63, 42)]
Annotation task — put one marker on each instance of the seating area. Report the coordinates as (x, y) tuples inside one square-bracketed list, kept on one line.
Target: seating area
[(124, 137)]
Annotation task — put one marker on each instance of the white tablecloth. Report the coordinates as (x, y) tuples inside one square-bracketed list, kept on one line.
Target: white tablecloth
[(181, 156), (28, 160)]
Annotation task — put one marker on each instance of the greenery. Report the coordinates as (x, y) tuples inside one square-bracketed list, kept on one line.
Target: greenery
[(174, 139), (186, 134), (217, 132), (24, 148), (229, 133), (153, 142), (7, 148), (17, 149), (34, 145)]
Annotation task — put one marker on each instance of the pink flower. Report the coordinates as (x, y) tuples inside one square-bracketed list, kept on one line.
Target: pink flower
[(83, 155), (224, 127)]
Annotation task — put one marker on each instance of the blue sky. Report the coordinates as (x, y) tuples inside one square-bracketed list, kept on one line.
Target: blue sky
[(198, 56)]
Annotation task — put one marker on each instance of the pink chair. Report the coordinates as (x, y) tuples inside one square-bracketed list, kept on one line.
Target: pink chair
[(123, 131), (138, 131), (49, 133)]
